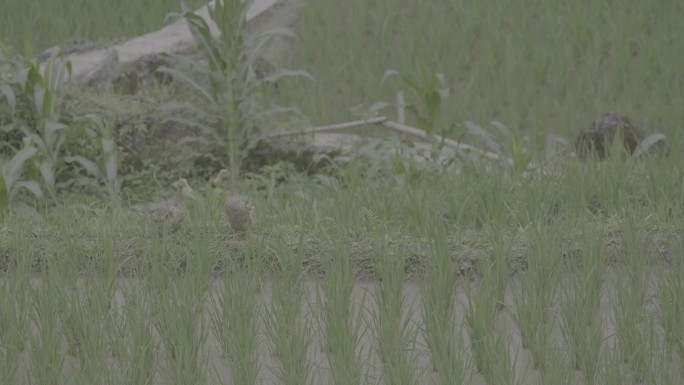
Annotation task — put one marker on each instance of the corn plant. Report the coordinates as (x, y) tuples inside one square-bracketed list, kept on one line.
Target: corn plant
[(433, 95), (11, 179), (38, 97), (105, 167), (230, 99), (32, 113)]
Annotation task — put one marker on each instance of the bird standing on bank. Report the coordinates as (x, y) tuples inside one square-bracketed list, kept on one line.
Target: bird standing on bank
[(240, 213), (172, 213)]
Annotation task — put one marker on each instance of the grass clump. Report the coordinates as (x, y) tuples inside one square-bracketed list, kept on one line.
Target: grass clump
[(342, 317), (47, 358), (289, 334), (33, 27), (14, 321), (133, 339), (580, 300), (395, 334), (488, 343), (671, 306), (439, 313), (234, 318), (534, 305)]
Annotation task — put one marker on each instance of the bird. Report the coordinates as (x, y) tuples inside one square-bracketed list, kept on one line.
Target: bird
[(240, 213), (172, 213)]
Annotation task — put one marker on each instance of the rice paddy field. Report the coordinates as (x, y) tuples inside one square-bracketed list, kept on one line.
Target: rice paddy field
[(371, 271)]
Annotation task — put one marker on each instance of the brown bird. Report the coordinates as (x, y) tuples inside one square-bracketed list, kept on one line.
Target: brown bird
[(172, 213), (240, 213)]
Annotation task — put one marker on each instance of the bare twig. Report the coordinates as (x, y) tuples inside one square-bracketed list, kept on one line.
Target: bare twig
[(330, 127), (404, 129), (398, 127)]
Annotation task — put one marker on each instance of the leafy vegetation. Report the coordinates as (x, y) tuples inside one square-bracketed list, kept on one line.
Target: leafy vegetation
[(230, 98), (375, 269)]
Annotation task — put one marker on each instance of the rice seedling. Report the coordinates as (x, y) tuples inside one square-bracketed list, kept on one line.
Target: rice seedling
[(490, 345), (612, 372), (46, 354), (341, 318), (479, 319), (662, 367), (85, 321), (288, 333), (14, 321), (556, 369), (671, 304), (579, 306), (444, 339), (178, 313), (395, 334), (534, 314), (138, 349), (502, 366), (495, 211), (634, 328), (636, 335), (234, 320)]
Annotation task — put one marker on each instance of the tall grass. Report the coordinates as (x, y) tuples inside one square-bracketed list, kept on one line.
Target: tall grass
[(33, 27), (597, 57)]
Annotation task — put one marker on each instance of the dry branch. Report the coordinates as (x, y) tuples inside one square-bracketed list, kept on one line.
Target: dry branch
[(404, 129), (330, 127), (401, 128)]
